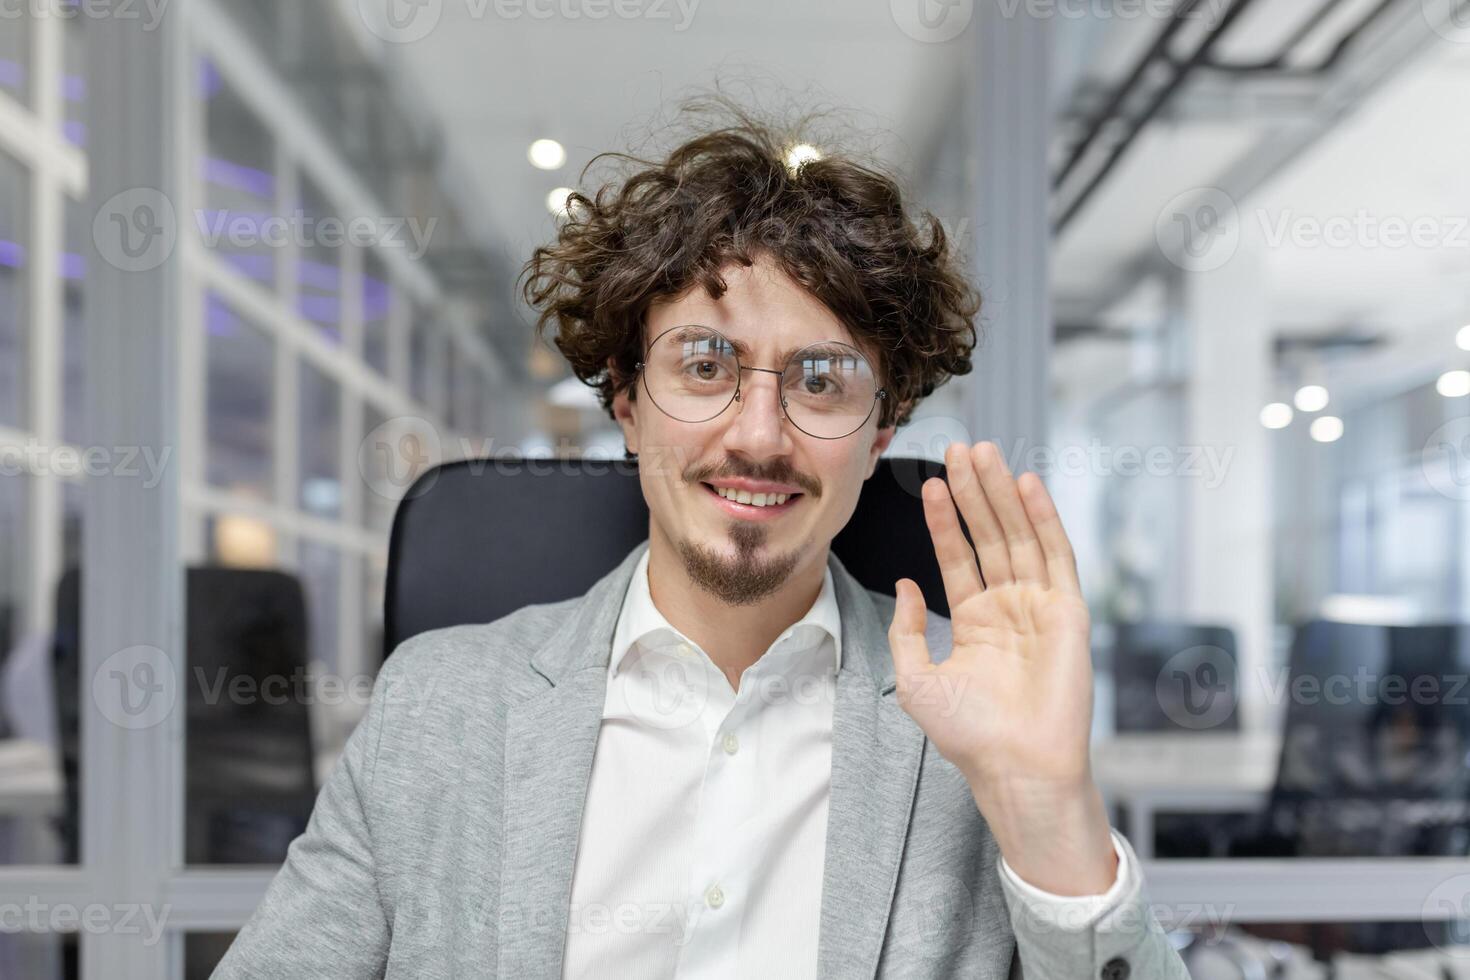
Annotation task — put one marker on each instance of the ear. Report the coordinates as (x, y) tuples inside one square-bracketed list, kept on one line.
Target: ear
[(624, 412), (880, 443)]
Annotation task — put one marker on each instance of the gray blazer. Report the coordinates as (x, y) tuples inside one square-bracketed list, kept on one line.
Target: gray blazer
[(442, 844)]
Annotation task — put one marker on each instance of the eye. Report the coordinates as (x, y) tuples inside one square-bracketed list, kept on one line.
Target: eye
[(704, 370), (822, 385)]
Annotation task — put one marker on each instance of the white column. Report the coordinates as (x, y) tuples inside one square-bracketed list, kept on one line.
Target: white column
[(1228, 546), (46, 384), (132, 585), (1005, 397)]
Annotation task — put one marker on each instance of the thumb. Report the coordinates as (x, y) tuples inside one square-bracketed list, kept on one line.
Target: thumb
[(906, 632)]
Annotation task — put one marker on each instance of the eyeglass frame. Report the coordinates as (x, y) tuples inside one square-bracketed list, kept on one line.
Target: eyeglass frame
[(879, 395)]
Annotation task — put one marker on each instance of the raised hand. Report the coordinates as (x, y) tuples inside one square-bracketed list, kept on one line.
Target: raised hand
[(1011, 706)]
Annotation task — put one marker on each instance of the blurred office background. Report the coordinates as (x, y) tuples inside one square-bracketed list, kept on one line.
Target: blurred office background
[(1226, 252)]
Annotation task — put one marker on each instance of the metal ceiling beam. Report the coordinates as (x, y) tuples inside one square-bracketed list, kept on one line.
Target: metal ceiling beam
[(1399, 38)]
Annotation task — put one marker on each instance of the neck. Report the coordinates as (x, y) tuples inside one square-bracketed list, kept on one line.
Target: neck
[(734, 637)]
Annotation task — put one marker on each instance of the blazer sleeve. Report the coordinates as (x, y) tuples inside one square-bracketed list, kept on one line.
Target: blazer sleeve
[(1121, 941), (323, 914)]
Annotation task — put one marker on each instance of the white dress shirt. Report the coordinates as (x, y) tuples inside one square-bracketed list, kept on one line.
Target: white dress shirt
[(703, 835)]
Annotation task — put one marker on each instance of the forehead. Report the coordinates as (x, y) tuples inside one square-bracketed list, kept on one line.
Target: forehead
[(762, 311)]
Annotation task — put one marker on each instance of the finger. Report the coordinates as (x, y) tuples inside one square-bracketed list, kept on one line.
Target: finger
[(990, 540), (955, 556), (906, 632), (1027, 562), (1061, 562)]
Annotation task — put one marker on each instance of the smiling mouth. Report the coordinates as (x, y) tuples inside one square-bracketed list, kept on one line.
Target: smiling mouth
[(755, 501)]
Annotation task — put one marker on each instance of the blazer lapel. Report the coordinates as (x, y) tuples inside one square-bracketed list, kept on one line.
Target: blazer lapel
[(550, 739), (876, 753)]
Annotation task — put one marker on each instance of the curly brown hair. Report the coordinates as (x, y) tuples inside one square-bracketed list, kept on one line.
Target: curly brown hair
[(835, 225)]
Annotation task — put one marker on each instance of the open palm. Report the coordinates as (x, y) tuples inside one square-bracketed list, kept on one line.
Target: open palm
[(1011, 706)]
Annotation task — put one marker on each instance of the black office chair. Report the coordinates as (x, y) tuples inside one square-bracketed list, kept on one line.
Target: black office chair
[(249, 777), (1364, 776), (1205, 657), (475, 540), (1361, 776)]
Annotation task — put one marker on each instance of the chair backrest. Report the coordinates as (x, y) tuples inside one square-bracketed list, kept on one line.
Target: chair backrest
[(475, 540), (1173, 676), (1374, 745), (249, 780)]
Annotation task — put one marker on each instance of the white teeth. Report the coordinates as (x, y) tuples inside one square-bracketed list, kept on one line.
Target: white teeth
[(754, 499)]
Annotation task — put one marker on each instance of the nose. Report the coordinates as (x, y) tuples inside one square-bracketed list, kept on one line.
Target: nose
[(759, 426)]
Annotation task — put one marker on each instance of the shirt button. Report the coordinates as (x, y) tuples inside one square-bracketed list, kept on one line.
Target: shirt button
[(1116, 969), (732, 744), (685, 650), (714, 897)]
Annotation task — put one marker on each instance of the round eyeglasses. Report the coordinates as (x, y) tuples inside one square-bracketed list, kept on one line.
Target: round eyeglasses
[(692, 373)]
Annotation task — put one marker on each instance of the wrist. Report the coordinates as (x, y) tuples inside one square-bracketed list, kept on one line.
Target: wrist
[(1053, 835)]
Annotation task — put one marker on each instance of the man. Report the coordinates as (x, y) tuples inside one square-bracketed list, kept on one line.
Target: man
[(728, 759)]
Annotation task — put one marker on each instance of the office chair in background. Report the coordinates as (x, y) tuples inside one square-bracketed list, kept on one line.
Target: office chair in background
[(477, 539), (1142, 651), (1363, 776), (249, 781)]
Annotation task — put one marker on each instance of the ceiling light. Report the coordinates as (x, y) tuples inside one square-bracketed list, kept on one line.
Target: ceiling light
[(799, 154), (1276, 415), (547, 154), (1327, 428), (1453, 384), (556, 201), (1462, 338), (1311, 398)]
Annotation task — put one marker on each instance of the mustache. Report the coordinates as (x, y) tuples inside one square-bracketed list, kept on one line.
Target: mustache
[(776, 472)]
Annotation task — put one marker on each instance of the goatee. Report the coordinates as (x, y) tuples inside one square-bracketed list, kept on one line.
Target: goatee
[(742, 579)]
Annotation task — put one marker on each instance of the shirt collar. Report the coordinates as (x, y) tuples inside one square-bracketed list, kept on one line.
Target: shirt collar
[(640, 618)]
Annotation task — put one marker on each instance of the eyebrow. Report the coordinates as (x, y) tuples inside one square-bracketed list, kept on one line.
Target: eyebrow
[(742, 349)]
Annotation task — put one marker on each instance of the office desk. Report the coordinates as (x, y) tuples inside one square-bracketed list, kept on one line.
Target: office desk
[(1199, 772)]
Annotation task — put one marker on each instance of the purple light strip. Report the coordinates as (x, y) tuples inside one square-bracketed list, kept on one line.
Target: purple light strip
[(239, 177), (219, 319), (12, 73), (209, 79), (12, 254)]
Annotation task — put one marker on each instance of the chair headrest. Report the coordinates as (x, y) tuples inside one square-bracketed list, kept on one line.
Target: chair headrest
[(475, 540)]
